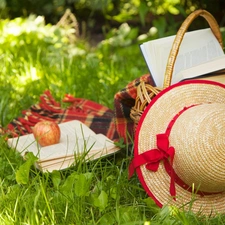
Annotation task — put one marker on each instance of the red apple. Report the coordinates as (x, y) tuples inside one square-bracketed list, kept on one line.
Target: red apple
[(46, 133)]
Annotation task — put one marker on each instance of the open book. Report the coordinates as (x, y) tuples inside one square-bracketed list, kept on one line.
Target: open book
[(77, 140), (200, 53)]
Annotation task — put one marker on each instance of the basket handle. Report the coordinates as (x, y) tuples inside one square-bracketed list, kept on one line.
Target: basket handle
[(179, 36)]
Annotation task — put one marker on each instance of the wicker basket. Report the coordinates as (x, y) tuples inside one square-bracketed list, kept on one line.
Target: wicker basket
[(145, 92)]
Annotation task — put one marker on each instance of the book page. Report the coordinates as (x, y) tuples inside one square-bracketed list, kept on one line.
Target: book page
[(155, 59), (75, 139), (103, 147), (218, 78), (59, 164), (202, 69), (196, 47), (63, 163)]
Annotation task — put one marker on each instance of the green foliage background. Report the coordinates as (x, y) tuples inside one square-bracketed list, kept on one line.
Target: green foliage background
[(101, 15), (36, 56)]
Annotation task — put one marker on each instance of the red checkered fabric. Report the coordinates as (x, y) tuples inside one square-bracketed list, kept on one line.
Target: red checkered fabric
[(98, 117), (124, 100)]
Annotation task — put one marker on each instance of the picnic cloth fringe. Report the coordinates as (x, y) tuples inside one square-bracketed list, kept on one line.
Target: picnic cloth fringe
[(96, 116)]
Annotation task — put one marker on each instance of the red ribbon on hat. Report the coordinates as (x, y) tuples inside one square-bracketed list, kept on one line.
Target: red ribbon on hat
[(164, 152), (153, 157)]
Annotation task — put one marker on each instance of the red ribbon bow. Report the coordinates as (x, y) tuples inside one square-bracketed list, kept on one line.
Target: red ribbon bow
[(153, 157)]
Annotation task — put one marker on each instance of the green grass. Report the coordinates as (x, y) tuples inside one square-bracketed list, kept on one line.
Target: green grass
[(97, 192)]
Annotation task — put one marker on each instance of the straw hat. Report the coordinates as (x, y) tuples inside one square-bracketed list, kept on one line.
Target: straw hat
[(179, 151)]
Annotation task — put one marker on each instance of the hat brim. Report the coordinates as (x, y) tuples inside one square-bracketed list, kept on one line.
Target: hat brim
[(154, 120)]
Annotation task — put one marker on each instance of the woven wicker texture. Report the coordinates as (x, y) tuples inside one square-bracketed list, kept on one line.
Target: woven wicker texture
[(144, 99)]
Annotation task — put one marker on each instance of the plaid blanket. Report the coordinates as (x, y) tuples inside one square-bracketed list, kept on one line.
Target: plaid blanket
[(98, 117), (124, 100), (112, 123)]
